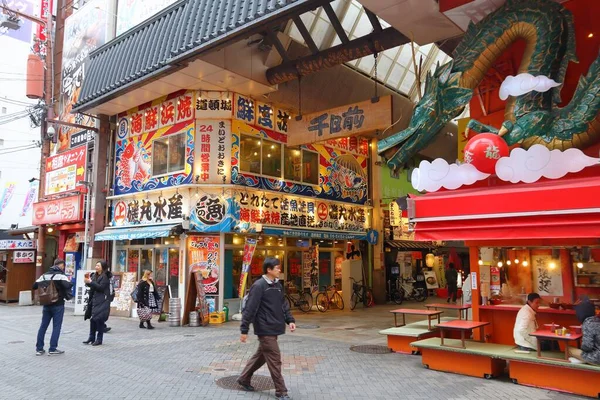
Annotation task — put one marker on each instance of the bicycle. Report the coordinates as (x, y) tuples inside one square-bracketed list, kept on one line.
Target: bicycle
[(302, 301), (324, 301), (360, 293), (410, 292), (395, 293)]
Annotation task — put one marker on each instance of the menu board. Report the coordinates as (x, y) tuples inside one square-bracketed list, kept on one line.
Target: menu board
[(202, 306), (124, 284)]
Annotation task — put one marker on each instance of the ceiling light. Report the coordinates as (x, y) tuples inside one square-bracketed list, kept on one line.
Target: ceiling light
[(508, 262), (552, 265), (525, 263), (590, 35), (516, 260), (579, 265), (500, 264), (480, 262)]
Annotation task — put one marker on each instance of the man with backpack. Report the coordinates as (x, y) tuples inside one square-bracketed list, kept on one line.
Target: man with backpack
[(53, 287)]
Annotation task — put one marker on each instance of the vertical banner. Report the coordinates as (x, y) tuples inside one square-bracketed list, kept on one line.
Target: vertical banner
[(31, 194), (82, 292), (9, 190), (249, 248), (204, 256), (495, 285), (547, 277), (310, 270)]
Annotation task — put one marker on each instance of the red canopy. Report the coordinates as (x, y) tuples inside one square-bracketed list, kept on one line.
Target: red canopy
[(567, 208)]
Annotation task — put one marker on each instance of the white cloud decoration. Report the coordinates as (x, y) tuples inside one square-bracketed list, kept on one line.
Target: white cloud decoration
[(538, 161), (525, 83), (431, 176)]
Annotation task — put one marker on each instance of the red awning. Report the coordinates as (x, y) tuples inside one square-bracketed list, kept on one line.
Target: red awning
[(568, 208)]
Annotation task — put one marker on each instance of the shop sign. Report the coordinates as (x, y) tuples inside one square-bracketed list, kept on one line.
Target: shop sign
[(264, 115), (204, 255), (212, 163), (67, 209), (24, 257), (82, 292), (65, 170), (215, 105), (345, 121), (81, 137), (310, 270), (314, 234), (16, 244), (353, 144), (154, 209), (395, 214), (212, 213)]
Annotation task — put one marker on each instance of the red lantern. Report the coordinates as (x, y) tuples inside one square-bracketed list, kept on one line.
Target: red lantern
[(484, 150)]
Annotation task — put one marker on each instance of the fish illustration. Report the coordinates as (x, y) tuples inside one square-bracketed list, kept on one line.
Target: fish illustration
[(133, 165)]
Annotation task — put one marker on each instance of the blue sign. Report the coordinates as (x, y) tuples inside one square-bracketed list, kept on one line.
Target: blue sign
[(372, 236)]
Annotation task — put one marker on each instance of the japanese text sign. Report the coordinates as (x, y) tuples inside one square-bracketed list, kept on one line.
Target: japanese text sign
[(65, 170), (204, 256), (16, 244), (349, 120), (154, 209), (24, 257), (213, 105), (67, 209), (213, 151)]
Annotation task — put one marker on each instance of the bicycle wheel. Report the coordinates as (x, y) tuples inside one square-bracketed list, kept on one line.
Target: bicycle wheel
[(419, 294), (338, 301), (322, 302), (305, 303), (289, 301), (370, 299), (397, 297), (353, 300)]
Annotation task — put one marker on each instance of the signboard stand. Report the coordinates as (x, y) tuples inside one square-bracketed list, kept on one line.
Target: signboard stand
[(196, 299)]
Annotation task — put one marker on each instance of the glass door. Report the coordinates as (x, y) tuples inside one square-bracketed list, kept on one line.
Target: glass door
[(174, 272), (133, 261), (160, 266), (324, 269)]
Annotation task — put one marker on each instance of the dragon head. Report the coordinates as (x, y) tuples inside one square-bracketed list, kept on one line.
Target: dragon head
[(442, 101)]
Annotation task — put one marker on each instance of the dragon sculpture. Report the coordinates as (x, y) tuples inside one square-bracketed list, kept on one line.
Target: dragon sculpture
[(534, 118)]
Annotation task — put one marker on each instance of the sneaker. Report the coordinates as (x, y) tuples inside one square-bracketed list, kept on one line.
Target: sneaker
[(246, 387), (40, 352), (574, 360), (56, 352)]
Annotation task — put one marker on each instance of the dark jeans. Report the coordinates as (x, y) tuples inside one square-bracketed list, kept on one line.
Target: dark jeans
[(96, 330), (54, 313), (268, 351), (452, 292)]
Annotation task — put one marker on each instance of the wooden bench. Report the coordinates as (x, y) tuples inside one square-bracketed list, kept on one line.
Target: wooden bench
[(553, 374), (482, 360), (400, 338)]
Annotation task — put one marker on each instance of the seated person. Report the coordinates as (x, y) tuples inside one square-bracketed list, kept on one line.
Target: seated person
[(590, 328), (525, 324)]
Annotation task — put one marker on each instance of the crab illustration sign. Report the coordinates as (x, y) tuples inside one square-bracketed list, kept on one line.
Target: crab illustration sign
[(349, 120)]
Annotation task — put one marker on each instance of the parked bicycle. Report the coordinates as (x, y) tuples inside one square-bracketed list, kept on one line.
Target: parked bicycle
[(360, 293), (302, 301), (325, 301), (408, 291), (395, 292)]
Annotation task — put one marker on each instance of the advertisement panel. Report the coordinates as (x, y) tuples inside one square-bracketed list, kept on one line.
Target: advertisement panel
[(67, 209), (204, 256), (65, 170), (153, 209)]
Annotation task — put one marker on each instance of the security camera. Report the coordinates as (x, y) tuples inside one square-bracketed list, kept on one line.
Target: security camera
[(51, 132)]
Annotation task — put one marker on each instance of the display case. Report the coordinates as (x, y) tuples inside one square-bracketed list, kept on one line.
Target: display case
[(587, 274)]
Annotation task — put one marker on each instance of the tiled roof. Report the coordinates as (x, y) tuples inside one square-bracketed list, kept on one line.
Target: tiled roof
[(172, 35)]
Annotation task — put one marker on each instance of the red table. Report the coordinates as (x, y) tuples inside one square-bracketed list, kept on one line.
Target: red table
[(411, 311), (549, 335), (462, 326), (445, 306)]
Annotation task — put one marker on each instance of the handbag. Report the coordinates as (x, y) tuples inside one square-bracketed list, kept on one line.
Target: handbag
[(134, 295), (144, 313)]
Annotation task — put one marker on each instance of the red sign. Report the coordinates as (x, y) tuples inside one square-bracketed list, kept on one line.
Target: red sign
[(120, 213), (65, 170), (322, 211), (45, 9), (67, 209)]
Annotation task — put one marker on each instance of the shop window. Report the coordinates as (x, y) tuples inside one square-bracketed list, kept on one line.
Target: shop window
[(293, 165), (260, 156), (296, 242), (310, 167), (250, 154), (168, 154), (271, 158), (301, 166)]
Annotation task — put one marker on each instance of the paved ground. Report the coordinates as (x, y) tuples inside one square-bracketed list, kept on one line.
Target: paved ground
[(182, 363)]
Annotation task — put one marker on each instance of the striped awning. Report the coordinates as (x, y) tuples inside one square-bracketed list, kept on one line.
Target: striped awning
[(138, 232), (409, 245)]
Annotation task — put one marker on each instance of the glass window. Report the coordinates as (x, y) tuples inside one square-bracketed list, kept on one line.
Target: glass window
[(133, 261), (271, 158), (145, 261), (294, 272), (293, 164), (121, 261), (168, 154), (310, 167), (250, 154), (160, 267)]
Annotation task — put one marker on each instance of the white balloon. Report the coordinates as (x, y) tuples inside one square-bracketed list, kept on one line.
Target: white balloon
[(525, 83)]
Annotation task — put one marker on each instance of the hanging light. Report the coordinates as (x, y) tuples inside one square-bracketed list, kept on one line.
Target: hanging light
[(516, 260), (508, 262), (480, 262), (525, 263), (430, 260), (579, 265), (500, 264), (552, 265)]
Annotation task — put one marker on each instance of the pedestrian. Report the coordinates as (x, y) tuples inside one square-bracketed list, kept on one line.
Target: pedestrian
[(589, 353), (268, 311), (99, 304), (55, 310), (148, 299), (452, 282)]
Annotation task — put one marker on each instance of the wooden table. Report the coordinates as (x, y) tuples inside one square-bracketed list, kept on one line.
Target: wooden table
[(446, 306), (428, 313), (549, 335), (462, 326)]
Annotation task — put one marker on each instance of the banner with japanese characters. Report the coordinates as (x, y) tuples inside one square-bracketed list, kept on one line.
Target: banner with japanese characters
[(24, 257), (29, 197), (212, 163), (213, 211), (82, 292), (16, 244), (262, 114), (85, 31), (204, 256), (310, 269), (249, 248), (213, 105), (154, 209), (65, 170), (7, 194)]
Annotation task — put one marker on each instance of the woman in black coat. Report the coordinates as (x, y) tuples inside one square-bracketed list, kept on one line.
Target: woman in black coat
[(99, 302), (148, 299)]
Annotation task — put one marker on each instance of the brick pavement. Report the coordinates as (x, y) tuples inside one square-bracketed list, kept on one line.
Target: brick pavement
[(184, 363)]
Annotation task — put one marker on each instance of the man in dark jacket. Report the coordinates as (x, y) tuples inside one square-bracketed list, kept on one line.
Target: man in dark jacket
[(452, 282), (268, 311), (53, 312)]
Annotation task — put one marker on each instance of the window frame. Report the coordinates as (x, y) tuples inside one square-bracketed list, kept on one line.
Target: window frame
[(168, 141), (262, 140), (302, 181)]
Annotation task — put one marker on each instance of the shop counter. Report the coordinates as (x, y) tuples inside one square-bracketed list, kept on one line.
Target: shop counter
[(502, 320)]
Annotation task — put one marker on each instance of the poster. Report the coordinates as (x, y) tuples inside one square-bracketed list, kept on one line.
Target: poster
[(202, 304), (204, 256), (125, 284), (70, 265), (82, 292), (310, 270), (431, 280), (547, 281), (249, 248), (495, 285), (64, 171)]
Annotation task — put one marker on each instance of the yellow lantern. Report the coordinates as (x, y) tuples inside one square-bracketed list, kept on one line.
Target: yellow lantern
[(430, 260)]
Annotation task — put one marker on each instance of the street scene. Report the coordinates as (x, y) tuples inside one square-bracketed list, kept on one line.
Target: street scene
[(300, 199)]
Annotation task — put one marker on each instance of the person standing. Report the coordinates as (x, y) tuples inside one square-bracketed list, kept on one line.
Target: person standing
[(55, 311), (99, 304), (452, 282), (148, 299), (268, 311)]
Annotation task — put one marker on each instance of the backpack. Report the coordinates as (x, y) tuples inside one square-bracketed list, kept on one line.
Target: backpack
[(48, 294)]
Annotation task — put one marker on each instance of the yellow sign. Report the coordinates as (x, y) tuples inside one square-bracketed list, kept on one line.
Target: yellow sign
[(349, 120)]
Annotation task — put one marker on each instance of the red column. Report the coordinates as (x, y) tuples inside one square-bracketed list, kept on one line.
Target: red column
[(62, 240)]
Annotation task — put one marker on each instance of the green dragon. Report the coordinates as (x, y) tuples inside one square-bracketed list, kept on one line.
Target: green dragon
[(548, 30)]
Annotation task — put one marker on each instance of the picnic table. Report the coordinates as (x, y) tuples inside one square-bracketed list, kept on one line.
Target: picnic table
[(446, 306), (462, 326), (549, 335), (428, 313)]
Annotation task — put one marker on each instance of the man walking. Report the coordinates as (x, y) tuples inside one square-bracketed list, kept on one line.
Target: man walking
[(53, 311), (268, 311)]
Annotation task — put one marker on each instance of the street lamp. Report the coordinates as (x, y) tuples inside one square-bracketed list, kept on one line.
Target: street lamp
[(86, 215)]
